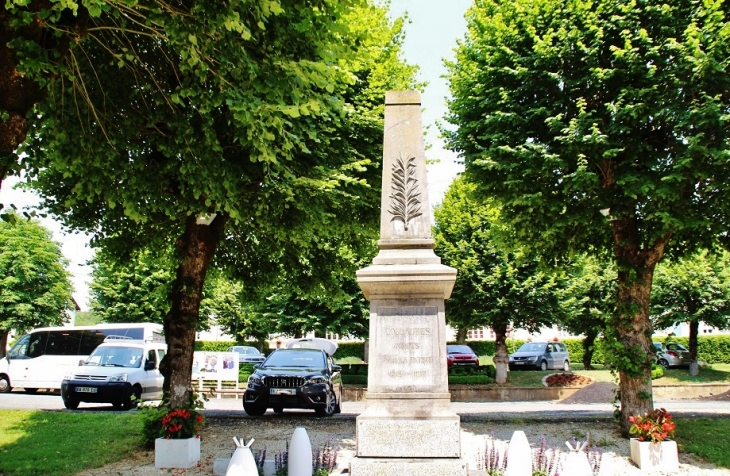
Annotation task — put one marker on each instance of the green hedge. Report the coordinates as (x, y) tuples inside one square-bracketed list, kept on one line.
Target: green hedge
[(213, 346), (711, 349), (350, 349)]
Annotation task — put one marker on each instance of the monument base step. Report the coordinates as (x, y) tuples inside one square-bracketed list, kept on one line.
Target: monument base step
[(408, 467), (394, 437)]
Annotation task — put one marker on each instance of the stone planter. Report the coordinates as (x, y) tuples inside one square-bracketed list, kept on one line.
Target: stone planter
[(183, 453), (661, 456)]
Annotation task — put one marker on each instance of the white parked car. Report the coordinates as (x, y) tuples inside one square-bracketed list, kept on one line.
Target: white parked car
[(122, 372), (247, 354)]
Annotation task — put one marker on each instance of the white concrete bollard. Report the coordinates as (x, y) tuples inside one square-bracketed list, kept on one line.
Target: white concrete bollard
[(576, 462), (242, 462), (300, 454), (519, 456)]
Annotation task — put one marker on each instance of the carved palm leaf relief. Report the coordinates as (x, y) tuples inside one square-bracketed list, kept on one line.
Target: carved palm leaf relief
[(405, 202)]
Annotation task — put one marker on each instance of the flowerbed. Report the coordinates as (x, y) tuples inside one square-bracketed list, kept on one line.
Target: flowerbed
[(566, 379)]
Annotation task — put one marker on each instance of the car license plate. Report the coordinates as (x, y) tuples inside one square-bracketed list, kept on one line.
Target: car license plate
[(519, 362), (86, 389), (283, 391)]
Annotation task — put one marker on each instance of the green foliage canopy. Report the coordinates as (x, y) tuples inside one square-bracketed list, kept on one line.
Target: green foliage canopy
[(35, 289), (567, 108)]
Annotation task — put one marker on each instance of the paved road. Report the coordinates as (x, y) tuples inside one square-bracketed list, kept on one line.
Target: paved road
[(232, 407)]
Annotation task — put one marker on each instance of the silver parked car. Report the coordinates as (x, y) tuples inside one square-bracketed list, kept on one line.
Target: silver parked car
[(540, 355), (247, 354), (671, 354)]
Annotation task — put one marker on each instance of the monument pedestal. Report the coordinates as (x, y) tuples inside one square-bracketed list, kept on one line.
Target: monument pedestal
[(408, 427)]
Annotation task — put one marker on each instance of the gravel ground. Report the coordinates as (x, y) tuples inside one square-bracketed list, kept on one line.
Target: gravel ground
[(273, 431), (562, 422)]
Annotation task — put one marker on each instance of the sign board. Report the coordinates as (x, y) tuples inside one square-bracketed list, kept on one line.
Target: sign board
[(221, 366)]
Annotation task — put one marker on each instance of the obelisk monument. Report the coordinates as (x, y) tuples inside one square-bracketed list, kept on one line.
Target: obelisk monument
[(408, 427)]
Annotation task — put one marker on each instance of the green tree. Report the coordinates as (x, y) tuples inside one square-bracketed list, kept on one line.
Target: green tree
[(691, 290), (495, 287), (588, 296), (226, 304), (567, 108), (258, 117), (135, 291), (35, 289)]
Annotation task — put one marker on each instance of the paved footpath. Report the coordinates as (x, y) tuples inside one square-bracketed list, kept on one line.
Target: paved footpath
[(230, 406)]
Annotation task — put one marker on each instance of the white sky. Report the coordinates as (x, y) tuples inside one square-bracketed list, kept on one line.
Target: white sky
[(430, 37)]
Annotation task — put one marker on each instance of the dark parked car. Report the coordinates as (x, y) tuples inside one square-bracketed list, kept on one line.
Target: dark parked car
[(460, 355), (247, 354), (671, 354), (540, 355), (300, 376)]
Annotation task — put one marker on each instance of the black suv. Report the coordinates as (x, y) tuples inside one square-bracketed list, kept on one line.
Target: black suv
[(295, 378)]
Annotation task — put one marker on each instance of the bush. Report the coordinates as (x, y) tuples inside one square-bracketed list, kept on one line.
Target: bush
[(355, 379), (350, 349), (214, 346), (657, 371)]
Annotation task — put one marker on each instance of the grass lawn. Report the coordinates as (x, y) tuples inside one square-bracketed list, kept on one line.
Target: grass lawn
[(705, 438), (64, 443), (714, 373)]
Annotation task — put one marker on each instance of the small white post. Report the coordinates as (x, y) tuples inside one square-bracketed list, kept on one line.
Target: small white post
[(519, 456), (300, 454)]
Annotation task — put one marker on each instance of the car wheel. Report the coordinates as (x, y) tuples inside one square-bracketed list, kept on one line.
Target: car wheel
[(543, 365), (338, 405), (278, 410), (133, 400), (329, 408), (5, 384), (253, 409), (663, 363), (566, 366), (71, 403), (30, 390)]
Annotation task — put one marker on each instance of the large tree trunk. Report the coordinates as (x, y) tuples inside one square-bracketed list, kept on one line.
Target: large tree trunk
[(588, 342), (501, 356), (3, 342), (194, 249), (694, 367), (631, 319)]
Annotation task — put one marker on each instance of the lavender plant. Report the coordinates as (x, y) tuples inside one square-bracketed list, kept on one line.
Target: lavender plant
[(259, 456), (494, 461), (324, 460), (545, 460)]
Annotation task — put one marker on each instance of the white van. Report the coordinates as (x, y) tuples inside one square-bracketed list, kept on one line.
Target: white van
[(42, 357), (120, 371)]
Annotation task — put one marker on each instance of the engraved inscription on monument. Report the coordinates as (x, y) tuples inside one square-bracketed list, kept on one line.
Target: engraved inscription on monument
[(407, 346)]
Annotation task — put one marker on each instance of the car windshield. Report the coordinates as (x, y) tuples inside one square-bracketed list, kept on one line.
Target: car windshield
[(245, 350), (130, 357), (458, 349), (296, 358), (532, 347)]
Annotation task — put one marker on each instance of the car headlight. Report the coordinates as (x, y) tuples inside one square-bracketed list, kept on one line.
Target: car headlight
[(317, 380), (69, 376), (118, 378), (254, 379)]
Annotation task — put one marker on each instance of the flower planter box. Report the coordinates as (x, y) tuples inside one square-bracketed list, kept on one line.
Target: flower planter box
[(182, 453), (661, 456)]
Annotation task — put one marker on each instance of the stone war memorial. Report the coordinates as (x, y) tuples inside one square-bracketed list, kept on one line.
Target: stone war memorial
[(408, 427)]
